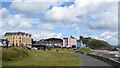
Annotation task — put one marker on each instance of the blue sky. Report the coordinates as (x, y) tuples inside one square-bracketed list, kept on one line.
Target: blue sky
[(63, 19)]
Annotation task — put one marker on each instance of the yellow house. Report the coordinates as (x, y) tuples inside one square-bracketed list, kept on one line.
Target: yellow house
[(18, 38)]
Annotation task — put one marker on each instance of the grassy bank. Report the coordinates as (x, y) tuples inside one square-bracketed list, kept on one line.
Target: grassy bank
[(0, 56), (47, 58), (13, 52)]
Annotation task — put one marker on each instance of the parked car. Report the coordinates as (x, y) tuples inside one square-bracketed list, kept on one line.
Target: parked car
[(34, 48), (64, 47), (31, 48), (56, 47)]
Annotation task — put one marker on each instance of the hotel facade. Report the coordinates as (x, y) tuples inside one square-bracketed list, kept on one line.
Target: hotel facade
[(69, 42), (18, 38)]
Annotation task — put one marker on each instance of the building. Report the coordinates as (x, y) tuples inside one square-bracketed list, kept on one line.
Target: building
[(41, 44), (80, 44), (18, 38), (56, 44), (69, 42)]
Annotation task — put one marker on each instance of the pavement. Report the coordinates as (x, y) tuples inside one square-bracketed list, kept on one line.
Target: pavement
[(90, 61)]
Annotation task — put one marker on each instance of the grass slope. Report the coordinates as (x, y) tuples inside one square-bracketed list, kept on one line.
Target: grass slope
[(96, 44), (47, 58), (0, 56)]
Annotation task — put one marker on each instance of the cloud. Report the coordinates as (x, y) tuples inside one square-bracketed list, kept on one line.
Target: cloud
[(11, 22), (91, 12), (104, 19), (34, 7), (19, 22), (41, 0), (25, 25), (110, 37), (62, 14), (46, 26), (104, 12), (83, 32), (3, 13), (1, 26), (40, 34)]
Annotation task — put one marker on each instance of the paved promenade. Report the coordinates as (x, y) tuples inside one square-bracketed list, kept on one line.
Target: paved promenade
[(90, 61)]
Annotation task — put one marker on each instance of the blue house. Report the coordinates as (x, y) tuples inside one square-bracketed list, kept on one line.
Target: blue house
[(79, 44)]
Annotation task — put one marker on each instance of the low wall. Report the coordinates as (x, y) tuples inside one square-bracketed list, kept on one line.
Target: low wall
[(107, 60)]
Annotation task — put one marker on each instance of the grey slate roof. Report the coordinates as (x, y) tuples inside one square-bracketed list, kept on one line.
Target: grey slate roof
[(16, 33), (42, 43)]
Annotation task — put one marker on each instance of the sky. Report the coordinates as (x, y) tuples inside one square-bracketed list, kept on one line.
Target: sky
[(61, 18)]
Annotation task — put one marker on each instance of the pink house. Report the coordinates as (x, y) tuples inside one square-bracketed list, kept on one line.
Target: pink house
[(69, 42)]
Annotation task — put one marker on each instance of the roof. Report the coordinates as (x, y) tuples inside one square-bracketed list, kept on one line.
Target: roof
[(65, 38), (56, 42), (42, 43), (16, 33)]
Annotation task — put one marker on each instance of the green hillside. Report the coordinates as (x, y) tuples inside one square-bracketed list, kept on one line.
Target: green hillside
[(53, 39), (96, 44)]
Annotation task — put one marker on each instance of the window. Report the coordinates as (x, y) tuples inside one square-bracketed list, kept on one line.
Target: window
[(20, 37)]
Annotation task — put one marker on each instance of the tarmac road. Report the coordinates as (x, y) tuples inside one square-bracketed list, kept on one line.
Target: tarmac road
[(90, 61)]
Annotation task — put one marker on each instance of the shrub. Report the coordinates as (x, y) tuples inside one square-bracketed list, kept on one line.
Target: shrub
[(12, 52)]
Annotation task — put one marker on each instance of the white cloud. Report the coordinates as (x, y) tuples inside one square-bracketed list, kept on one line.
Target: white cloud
[(1, 25), (3, 13), (15, 22), (83, 32), (39, 34), (62, 14), (86, 2), (18, 22), (105, 18), (104, 12), (24, 25), (33, 7), (46, 26), (110, 37), (41, 0), (29, 7)]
